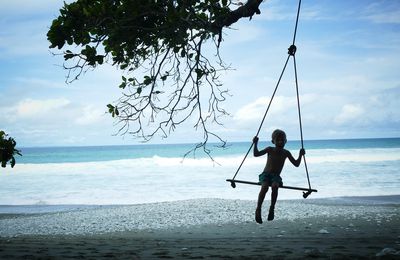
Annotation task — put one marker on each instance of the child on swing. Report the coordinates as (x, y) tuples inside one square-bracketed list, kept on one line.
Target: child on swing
[(272, 170)]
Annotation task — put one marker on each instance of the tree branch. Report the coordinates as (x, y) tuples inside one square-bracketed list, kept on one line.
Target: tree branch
[(159, 47)]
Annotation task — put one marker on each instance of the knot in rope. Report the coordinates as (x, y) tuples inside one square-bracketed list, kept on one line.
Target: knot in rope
[(292, 50)]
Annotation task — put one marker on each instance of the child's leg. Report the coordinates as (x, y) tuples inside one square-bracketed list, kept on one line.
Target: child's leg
[(274, 196), (261, 195)]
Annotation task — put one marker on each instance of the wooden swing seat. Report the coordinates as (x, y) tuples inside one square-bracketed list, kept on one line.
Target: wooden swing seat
[(283, 186)]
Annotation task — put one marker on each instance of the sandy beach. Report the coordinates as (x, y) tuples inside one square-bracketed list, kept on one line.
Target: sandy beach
[(344, 228)]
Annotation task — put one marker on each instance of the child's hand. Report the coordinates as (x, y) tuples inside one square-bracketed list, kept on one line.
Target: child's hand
[(255, 139), (302, 151)]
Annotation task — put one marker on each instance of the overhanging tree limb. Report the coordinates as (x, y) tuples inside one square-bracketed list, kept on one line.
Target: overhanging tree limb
[(159, 44)]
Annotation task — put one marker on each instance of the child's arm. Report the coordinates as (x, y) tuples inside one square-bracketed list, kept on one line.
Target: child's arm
[(298, 161), (256, 152)]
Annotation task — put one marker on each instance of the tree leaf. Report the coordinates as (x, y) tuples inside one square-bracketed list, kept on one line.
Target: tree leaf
[(147, 80), (122, 85)]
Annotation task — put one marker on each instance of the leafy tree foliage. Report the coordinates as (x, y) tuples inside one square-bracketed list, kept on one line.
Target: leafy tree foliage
[(7, 150), (163, 47)]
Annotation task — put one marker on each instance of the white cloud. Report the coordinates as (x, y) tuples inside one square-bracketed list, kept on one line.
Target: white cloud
[(57, 111), (252, 111), (388, 17), (280, 105), (282, 114), (349, 113), (256, 109), (56, 121), (90, 115), (243, 32), (31, 108), (386, 13)]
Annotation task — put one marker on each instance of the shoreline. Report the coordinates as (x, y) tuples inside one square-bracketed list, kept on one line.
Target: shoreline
[(208, 229), (341, 200)]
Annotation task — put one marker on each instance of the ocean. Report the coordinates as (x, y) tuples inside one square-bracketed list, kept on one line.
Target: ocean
[(138, 174)]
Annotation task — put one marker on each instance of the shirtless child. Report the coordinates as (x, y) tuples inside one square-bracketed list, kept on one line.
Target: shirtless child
[(273, 168)]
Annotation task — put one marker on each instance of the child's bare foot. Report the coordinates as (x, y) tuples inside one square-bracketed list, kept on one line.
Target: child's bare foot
[(271, 214), (258, 216)]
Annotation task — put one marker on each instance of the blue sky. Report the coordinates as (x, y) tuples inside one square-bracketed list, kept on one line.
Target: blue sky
[(348, 60)]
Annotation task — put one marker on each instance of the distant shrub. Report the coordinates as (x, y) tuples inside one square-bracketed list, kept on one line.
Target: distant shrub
[(7, 150)]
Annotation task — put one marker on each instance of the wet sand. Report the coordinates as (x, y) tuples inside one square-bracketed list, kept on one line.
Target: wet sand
[(207, 229)]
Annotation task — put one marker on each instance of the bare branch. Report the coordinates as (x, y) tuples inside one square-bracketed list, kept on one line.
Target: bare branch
[(159, 45)]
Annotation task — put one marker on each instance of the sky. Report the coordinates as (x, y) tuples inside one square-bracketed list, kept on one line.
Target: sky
[(348, 60)]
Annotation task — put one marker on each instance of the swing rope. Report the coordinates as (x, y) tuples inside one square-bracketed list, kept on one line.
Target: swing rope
[(300, 124), (291, 52), (265, 115)]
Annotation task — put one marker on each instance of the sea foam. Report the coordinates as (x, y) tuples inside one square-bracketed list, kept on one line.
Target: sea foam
[(333, 172)]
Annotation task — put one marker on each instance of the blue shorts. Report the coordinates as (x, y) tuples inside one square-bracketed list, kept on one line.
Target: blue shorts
[(270, 178)]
